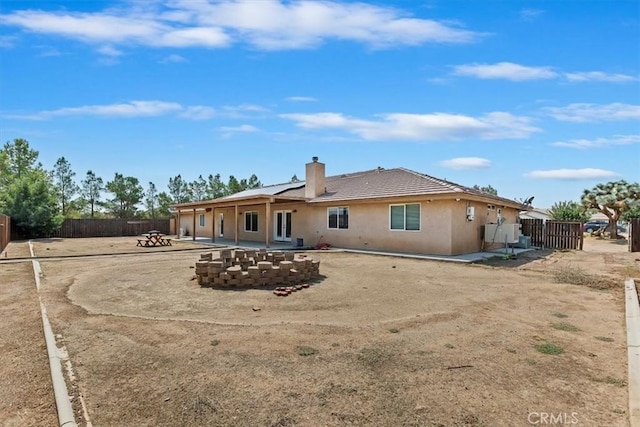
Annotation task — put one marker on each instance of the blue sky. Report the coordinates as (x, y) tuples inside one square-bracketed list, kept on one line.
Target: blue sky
[(536, 98)]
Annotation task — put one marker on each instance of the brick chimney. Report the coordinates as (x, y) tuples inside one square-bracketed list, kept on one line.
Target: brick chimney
[(314, 184)]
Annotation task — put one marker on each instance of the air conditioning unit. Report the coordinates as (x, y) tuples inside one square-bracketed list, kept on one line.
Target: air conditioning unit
[(498, 233)]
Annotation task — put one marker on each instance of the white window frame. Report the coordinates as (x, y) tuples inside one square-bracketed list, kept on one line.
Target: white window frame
[(404, 205), (201, 220), (338, 218), (245, 221)]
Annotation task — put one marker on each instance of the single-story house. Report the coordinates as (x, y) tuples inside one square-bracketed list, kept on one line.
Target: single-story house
[(380, 209)]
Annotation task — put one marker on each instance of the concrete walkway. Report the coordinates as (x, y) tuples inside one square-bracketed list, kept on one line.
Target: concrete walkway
[(633, 350), (465, 258)]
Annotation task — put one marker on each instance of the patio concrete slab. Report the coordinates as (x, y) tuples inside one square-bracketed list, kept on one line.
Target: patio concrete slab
[(464, 258)]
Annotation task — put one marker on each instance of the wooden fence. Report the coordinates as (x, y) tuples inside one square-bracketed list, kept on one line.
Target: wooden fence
[(634, 235), (533, 228), (72, 228), (554, 234), (5, 231)]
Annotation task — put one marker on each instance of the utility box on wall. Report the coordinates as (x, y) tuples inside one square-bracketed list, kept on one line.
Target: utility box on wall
[(471, 213)]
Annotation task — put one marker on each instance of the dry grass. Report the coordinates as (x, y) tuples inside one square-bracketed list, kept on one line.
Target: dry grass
[(549, 348), (577, 276), (151, 348), (564, 326)]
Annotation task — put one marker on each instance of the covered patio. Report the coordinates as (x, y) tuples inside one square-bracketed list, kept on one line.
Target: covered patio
[(257, 218)]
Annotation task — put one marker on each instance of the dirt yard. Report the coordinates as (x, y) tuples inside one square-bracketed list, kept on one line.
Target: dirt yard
[(377, 341)]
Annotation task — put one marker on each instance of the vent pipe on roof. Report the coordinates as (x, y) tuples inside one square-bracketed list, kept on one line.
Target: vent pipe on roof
[(315, 159)]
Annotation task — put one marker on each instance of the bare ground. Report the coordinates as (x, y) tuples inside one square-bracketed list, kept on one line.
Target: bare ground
[(377, 341), (26, 395)]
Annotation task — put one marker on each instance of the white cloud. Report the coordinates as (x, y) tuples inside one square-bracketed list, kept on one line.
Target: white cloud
[(582, 112), (505, 70), (198, 112), (128, 109), (109, 51), (301, 99), (241, 128), (530, 14), (7, 42), (599, 76), (518, 72), (421, 127), (572, 174), (244, 111), (173, 58), (48, 52), (599, 142), (461, 163), (263, 24)]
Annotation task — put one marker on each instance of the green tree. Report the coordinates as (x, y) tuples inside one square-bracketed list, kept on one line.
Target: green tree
[(632, 213), (568, 211), (253, 182), (27, 193), (179, 190), (612, 199), (164, 205), (234, 186), (32, 205), (198, 189), (17, 159), (151, 200), (215, 187), (67, 188), (91, 190), (488, 189), (127, 193)]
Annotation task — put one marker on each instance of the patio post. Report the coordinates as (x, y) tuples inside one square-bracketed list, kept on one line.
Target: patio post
[(237, 225), (178, 223), (194, 225), (268, 221), (213, 224)]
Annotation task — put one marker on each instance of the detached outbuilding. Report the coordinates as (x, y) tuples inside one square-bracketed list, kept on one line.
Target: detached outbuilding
[(381, 209)]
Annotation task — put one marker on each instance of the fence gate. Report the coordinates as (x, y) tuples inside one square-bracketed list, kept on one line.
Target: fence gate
[(554, 234), (5, 231), (634, 235)]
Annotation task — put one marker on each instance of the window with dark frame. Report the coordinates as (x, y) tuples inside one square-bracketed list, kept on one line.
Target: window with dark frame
[(338, 218), (201, 220), (251, 221)]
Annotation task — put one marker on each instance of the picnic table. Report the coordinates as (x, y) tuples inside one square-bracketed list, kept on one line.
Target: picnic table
[(154, 238)]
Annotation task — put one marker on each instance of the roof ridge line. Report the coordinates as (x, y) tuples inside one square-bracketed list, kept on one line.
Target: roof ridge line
[(454, 186)]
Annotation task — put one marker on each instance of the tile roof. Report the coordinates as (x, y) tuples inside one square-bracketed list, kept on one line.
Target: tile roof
[(378, 183)]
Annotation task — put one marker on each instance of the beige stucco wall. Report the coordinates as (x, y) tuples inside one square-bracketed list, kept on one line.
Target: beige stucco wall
[(444, 228), (468, 236), (369, 228), (186, 222)]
